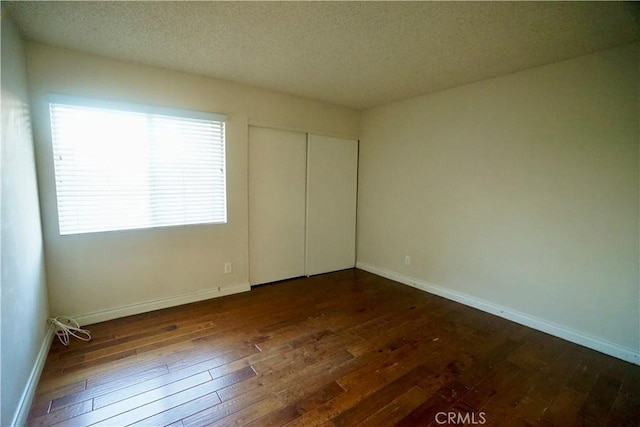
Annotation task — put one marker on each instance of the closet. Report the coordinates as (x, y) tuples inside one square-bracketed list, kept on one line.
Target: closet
[(302, 204)]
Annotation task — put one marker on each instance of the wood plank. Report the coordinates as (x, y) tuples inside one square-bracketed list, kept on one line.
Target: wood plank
[(271, 382), (95, 346), (158, 381), (397, 409), (61, 415), (135, 401), (382, 397), (249, 413), (130, 377), (354, 348), (204, 392), (564, 409), (624, 412), (425, 413), (585, 375), (489, 387), (508, 397), (302, 406), (530, 409), (117, 384), (38, 409), (48, 396), (212, 414), (600, 399)]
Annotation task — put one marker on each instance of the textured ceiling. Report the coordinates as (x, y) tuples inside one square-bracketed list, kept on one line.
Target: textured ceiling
[(357, 54)]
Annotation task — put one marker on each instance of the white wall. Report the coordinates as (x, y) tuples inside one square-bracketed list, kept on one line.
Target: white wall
[(96, 276), (516, 194), (24, 304)]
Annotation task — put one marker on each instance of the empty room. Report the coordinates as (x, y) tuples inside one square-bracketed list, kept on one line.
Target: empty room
[(320, 213)]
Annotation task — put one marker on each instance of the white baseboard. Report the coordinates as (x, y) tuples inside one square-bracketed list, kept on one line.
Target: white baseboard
[(586, 340), (24, 405), (157, 304)]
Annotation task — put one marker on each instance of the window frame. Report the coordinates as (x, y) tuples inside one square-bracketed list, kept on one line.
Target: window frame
[(146, 110)]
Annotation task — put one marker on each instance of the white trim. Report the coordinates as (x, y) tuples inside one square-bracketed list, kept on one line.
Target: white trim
[(569, 334), (157, 304), (24, 404), (278, 126), (306, 206), (56, 98)]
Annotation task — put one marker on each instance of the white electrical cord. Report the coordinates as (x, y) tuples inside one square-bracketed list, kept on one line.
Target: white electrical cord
[(66, 326)]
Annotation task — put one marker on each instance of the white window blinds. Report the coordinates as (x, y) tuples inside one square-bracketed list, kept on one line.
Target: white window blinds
[(120, 167)]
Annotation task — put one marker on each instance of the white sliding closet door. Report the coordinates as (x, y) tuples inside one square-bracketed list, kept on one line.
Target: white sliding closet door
[(332, 169), (277, 195)]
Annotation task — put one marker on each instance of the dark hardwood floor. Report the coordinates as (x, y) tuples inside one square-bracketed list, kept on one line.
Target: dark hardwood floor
[(341, 349)]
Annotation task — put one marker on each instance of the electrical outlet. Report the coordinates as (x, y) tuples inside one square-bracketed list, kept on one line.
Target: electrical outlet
[(407, 260), (228, 267)]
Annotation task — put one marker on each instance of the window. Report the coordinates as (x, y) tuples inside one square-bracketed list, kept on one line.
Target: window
[(120, 166)]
